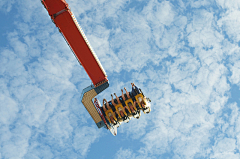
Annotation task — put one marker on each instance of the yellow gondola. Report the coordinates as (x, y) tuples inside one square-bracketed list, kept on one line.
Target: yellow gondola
[(115, 110)]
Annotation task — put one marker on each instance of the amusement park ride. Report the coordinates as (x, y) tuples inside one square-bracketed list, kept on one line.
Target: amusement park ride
[(112, 113)]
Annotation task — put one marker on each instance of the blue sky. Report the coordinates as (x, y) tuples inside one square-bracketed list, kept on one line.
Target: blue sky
[(184, 55)]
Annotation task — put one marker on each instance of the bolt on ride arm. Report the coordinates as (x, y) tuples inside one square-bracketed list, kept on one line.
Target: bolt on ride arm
[(67, 24)]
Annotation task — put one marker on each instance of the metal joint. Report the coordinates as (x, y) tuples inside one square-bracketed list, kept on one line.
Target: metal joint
[(60, 12)]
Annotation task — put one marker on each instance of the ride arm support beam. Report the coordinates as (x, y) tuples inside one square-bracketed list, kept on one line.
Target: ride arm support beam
[(75, 37), (87, 95)]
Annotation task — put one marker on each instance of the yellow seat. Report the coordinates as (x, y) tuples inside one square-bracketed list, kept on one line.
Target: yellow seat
[(120, 106), (108, 117), (142, 97), (127, 104)]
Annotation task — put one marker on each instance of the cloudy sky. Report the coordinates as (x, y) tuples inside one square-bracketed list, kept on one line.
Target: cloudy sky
[(183, 54)]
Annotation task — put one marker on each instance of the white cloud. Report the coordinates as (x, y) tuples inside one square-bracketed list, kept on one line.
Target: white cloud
[(6, 6), (30, 10), (230, 23), (17, 142), (10, 109), (39, 151), (125, 153), (235, 69), (225, 147), (202, 33), (155, 143), (198, 4), (230, 5), (83, 138), (162, 12), (135, 129)]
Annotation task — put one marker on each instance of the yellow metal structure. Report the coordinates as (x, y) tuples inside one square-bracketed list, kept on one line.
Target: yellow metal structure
[(122, 109), (108, 117), (87, 102), (140, 102), (130, 101)]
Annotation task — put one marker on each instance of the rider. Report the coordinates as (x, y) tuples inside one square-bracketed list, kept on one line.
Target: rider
[(135, 89), (143, 103), (123, 96), (121, 112), (107, 104), (113, 100), (118, 100), (131, 107), (111, 116), (127, 93)]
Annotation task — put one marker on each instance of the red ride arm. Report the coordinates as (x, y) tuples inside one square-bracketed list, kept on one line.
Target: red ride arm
[(68, 26)]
